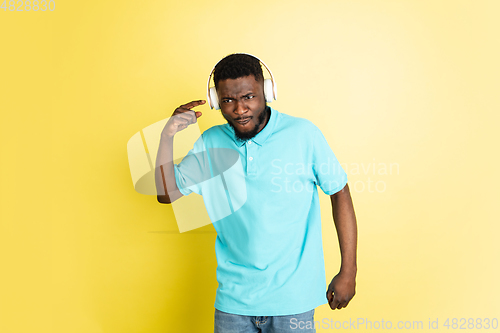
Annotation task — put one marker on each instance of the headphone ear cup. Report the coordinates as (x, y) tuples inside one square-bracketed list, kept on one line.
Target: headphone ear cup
[(268, 90), (214, 99)]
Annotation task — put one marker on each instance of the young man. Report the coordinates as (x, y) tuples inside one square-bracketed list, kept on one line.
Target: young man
[(269, 249)]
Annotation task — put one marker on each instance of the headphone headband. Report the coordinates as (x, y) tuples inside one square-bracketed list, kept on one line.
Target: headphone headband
[(209, 95)]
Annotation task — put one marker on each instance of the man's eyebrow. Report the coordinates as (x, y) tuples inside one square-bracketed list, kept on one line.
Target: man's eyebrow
[(229, 97)]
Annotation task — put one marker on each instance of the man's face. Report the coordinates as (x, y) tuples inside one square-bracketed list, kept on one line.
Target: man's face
[(243, 105)]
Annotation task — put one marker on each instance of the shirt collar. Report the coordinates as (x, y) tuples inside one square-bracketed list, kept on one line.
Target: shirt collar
[(262, 136)]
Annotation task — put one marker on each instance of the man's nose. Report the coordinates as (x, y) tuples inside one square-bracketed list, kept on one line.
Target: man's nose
[(241, 107)]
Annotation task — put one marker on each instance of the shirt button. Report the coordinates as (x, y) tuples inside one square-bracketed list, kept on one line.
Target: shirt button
[(250, 158), (249, 142)]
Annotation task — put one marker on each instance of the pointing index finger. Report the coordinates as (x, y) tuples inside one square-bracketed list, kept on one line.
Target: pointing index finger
[(193, 104)]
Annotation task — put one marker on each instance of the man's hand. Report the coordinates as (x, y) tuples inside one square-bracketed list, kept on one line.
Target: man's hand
[(343, 288), (182, 117)]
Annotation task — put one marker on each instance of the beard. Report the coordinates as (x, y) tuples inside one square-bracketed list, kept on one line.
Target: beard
[(250, 134)]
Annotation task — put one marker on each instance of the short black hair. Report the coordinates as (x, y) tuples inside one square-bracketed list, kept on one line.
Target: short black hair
[(237, 65)]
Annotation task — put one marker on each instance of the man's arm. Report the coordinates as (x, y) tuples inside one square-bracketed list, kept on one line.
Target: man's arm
[(166, 187), (342, 288)]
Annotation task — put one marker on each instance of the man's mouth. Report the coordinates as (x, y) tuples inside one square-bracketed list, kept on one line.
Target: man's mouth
[(243, 121)]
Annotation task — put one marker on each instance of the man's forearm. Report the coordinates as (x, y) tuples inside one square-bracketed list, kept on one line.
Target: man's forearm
[(166, 186), (345, 223)]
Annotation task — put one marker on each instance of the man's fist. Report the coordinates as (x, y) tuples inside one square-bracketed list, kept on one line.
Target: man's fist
[(341, 290)]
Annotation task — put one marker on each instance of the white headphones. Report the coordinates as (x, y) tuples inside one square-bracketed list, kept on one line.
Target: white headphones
[(270, 92)]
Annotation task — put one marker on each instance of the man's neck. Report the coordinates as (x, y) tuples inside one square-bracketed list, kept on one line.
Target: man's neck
[(268, 116)]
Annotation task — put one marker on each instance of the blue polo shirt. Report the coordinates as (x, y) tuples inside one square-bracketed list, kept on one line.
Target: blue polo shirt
[(262, 198)]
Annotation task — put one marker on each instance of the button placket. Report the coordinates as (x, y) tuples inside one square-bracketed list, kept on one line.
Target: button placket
[(251, 163)]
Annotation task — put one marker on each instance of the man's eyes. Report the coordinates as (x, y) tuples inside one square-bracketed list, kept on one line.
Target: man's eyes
[(229, 100)]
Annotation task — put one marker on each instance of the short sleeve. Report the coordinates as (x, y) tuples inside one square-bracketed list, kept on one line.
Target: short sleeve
[(193, 170), (328, 172)]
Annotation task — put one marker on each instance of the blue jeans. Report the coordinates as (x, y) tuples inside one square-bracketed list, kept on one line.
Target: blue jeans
[(231, 323)]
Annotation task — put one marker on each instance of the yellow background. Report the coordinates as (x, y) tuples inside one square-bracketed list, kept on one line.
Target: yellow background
[(413, 83)]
